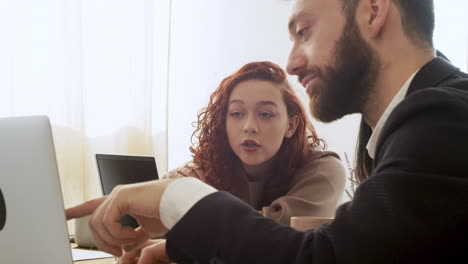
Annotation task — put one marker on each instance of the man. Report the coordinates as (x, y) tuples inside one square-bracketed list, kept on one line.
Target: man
[(373, 57)]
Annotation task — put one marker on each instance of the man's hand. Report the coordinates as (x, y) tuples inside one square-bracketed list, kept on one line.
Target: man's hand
[(152, 251), (154, 254), (140, 200)]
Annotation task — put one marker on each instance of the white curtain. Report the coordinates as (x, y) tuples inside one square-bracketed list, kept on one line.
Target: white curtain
[(98, 69), (128, 76)]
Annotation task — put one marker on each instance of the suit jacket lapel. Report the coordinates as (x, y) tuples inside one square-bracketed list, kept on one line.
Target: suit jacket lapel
[(432, 74)]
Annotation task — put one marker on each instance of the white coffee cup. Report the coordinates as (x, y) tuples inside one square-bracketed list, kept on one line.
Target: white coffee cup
[(83, 236)]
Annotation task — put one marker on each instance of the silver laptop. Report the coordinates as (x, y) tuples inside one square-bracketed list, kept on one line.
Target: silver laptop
[(32, 219)]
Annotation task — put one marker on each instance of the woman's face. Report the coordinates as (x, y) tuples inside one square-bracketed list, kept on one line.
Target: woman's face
[(257, 121)]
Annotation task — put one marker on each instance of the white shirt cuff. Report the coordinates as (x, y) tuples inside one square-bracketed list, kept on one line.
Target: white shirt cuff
[(179, 196)]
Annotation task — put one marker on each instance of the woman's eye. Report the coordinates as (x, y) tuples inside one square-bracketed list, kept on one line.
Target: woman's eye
[(266, 115), (236, 114)]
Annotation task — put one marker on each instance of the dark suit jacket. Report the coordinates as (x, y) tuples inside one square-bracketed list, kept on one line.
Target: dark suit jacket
[(412, 209)]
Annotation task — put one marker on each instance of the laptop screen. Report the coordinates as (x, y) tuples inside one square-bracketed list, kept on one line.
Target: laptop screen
[(121, 169)]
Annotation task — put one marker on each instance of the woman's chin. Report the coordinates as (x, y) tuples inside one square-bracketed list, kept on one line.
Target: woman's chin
[(254, 162), (251, 162)]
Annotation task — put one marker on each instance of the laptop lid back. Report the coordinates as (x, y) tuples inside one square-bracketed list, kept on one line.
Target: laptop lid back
[(125, 169), (33, 224)]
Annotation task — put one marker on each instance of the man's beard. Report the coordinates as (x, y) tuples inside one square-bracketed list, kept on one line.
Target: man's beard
[(345, 86)]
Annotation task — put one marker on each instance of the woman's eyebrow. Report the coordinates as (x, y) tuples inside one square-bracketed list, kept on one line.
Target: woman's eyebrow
[(236, 101), (266, 103)]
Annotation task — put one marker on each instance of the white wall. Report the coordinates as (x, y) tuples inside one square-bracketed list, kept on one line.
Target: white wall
[(451, 30)]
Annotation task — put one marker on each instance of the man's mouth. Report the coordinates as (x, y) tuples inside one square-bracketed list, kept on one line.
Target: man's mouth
[(307, 79)]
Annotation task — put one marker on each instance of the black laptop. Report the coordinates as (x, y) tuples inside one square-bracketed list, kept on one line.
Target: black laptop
[(124, 169)]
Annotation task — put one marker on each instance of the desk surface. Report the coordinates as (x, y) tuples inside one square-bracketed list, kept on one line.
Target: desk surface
[(94, 261)]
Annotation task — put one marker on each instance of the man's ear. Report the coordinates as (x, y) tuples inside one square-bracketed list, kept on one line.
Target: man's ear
[(293, 122), (374, 14)]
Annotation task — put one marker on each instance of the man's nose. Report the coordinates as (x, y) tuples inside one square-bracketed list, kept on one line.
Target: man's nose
[(296, 62)]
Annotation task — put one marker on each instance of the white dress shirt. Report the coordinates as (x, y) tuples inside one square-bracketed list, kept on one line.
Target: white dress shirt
[(372, 144), (179, 196)]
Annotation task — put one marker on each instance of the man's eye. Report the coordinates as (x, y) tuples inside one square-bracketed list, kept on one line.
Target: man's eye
[(301, 32)]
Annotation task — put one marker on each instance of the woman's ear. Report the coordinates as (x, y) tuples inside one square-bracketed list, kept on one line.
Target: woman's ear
[(292, 126)]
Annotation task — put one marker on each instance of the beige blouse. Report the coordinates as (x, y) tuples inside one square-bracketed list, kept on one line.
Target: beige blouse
[(315, 190)]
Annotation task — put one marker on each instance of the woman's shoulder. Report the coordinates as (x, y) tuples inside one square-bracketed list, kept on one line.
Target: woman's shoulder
[(321, 163), (188, 169), (319, 153)]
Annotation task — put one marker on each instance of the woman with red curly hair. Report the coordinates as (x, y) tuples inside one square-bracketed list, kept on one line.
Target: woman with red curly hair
[(256, 142)]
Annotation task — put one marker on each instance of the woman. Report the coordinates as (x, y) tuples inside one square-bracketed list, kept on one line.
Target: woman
[(256, 142)]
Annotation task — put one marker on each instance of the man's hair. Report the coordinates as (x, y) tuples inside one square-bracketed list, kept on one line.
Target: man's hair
[(417, 18)]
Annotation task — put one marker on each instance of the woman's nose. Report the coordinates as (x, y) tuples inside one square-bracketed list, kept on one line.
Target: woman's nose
[(250, 125)]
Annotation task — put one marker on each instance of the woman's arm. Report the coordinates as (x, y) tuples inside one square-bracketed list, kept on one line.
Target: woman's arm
[(316, 190)]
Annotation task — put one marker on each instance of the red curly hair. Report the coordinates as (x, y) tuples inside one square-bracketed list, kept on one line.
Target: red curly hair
[(213, 153)]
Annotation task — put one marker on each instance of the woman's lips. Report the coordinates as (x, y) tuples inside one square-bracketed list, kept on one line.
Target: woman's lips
[(250, 145), (250, 148)]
